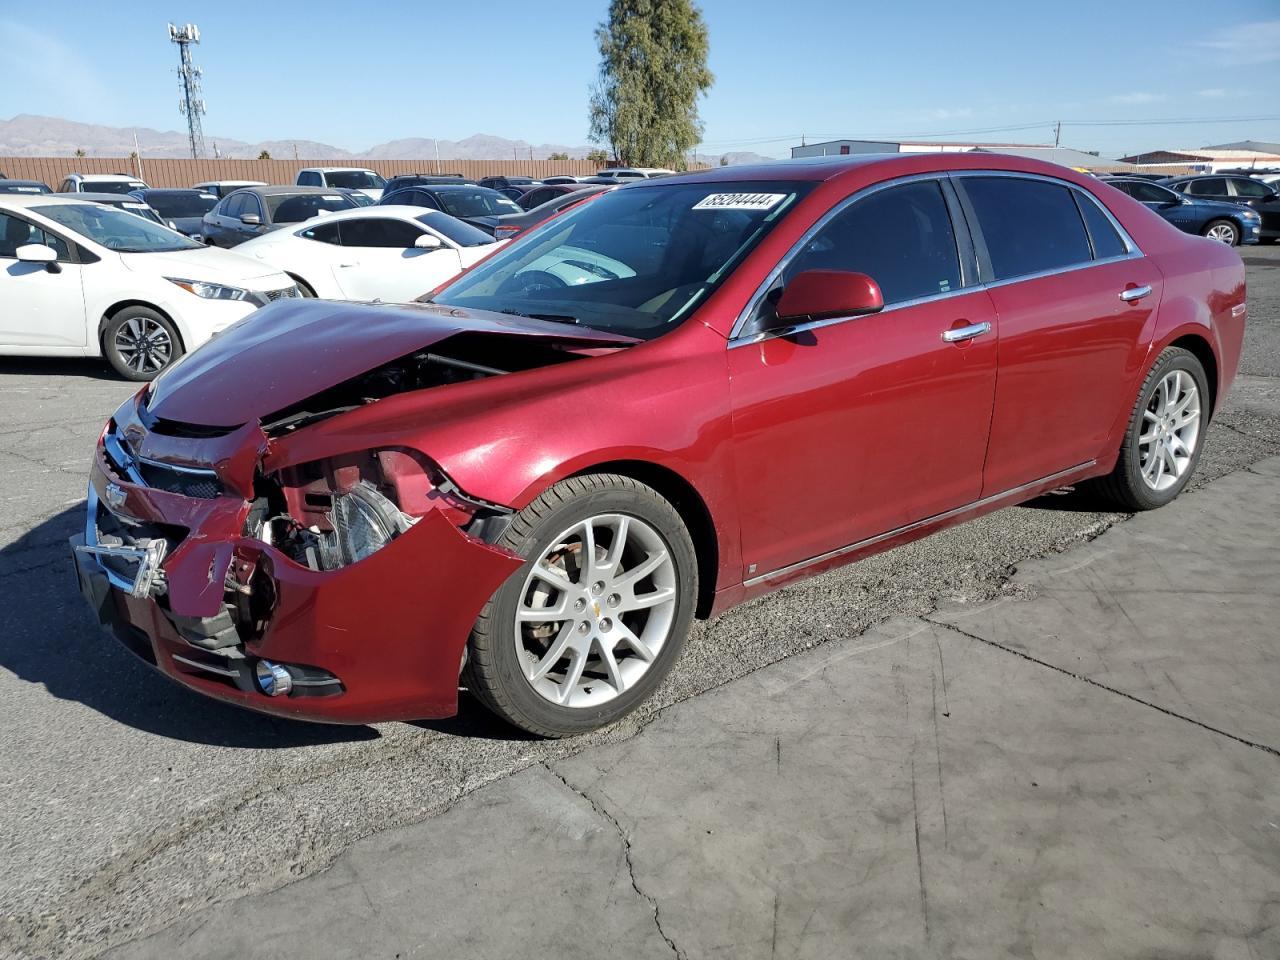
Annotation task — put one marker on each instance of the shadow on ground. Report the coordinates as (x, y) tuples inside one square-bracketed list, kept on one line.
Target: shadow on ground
[(53, 640), (83, 368)]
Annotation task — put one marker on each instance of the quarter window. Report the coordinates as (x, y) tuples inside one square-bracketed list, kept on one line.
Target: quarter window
[(1245, 187), (901, 237), (1029, 226)]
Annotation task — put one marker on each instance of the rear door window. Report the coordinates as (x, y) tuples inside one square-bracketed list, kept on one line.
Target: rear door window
[(1030, 226), (1208, 187), (901, 237), (1245, 187), (1102, 234)]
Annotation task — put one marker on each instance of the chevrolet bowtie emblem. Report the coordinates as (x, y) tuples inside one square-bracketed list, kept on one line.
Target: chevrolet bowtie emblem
[(114, 495)]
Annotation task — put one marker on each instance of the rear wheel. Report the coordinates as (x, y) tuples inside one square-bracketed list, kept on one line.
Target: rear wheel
[(1166, 431), (586, 630), (140, 343), (1224, 231)]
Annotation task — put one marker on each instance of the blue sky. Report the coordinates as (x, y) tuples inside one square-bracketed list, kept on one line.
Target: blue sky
[(358, 74)]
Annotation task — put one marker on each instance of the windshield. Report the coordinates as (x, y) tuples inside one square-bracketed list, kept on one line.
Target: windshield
[(478, 202), (140, 209), (463, 234), (294, 208), (174, 206), (112, 186), (23, 187), (116, 229), (355, 179), (634, 261)]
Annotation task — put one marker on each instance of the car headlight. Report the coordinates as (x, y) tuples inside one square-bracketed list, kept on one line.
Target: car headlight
[(364, 521), (1252, 215), (210, 291)]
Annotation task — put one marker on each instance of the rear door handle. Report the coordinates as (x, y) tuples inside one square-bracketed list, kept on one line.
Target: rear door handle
[(1135, 293), (966, 333)]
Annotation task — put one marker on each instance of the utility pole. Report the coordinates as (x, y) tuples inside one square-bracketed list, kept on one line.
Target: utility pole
[(137, 155), (1057, 133), (436, 144), (191, 106)]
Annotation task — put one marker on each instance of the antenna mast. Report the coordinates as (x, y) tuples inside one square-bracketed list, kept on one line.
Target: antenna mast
[(190, 106)]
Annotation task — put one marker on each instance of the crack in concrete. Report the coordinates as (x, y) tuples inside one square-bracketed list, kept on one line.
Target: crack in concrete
[(626, 851), (1107, 687)]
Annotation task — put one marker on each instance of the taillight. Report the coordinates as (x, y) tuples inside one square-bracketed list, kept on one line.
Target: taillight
[(506, 232)]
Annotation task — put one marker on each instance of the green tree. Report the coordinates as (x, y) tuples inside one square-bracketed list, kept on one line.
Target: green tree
[(653, 69), (79, 151), (264, 155), (558, 156), (598, 156)]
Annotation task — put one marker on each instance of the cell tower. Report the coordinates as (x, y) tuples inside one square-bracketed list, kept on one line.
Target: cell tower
[(190, 106)]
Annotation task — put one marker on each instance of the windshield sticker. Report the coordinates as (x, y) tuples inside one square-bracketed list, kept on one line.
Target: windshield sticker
[(740, 201), (328, 196)]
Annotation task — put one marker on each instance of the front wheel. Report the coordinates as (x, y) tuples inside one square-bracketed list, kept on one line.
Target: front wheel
[(1165, 435), (140, 343), (586, 630), (1224, 231)]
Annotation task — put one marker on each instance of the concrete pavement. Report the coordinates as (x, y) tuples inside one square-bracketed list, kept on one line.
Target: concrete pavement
[(1084, 766)]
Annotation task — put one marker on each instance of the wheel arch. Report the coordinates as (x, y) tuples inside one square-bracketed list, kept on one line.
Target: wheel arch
[(1202, 350), (691, 506), (298, 279), (115, 308)]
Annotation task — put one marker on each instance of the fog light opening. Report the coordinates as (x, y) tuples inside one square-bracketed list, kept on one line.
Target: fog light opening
[(273, 679)]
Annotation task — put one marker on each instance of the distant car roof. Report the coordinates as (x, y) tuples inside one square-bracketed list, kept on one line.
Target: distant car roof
[(23, 183), (337, 169), (43, 199), (161, 190), (104, 177), (445, 187), (277, 190), (216, 183), (111, 198)]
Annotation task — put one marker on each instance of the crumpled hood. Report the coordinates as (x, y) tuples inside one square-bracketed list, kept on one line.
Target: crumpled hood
[(210, 264), (292, 349)]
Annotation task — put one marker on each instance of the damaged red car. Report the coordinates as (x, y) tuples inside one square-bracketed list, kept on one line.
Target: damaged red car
[(676, 397)]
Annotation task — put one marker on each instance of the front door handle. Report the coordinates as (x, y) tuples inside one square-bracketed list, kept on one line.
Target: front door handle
[(960, 334), (1130, 294)]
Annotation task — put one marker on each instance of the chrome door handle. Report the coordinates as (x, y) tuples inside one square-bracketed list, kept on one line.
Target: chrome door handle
[(966, 333), (1135, 293)]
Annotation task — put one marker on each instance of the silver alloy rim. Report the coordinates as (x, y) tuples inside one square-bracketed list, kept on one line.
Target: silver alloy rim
[(144, 344), (596, 610), (1222, 232), (1170, 430)]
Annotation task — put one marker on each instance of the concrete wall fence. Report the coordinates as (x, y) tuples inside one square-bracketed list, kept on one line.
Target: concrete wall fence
[(183, 173)]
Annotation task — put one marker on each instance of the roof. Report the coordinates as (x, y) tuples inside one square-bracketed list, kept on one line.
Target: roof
[(26, 183), (43, 199), (211, 183), (103, 177), (446, 187), (336, 169), (1065, 156), (150, 190), (111, 198), (279, 190), (1258, 146)]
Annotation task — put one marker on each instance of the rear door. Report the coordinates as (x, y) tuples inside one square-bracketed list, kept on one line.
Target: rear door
[(379, 261), (1260, 197), (849, 428), (1073, 297)]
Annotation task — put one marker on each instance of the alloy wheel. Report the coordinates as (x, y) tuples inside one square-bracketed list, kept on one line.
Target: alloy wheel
[(1170, 430), (144, 344), (595, 610), (1223, 233)]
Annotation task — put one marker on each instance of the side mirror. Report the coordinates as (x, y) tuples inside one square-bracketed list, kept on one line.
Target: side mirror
[(822, 294), (251, 219), (428, 241), (36, 253)]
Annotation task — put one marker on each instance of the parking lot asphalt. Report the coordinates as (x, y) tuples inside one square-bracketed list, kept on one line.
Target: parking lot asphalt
[(1084, 767), (132, 803)]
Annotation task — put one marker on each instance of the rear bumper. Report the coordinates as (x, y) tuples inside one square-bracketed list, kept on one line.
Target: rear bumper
[(380, 640)]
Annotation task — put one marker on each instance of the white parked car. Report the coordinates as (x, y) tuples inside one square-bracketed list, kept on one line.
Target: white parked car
[(635, 173), (366, 181), (100, 183), (81, 279), (392, 253)]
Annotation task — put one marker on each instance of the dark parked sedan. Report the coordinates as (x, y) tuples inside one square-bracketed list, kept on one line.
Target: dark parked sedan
[(23, 186), (537, 196), (253, 211), (478, 206), (1228, 222), (425, 179), (183, 210), (121, 201), (670, 400), (514, 224), (505, 183), (1243, 191)]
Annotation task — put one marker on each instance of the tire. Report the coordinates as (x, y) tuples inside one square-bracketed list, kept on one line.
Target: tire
[(159, 337), (304, 288), (505, 656), (1224, 231), (1129, 485)]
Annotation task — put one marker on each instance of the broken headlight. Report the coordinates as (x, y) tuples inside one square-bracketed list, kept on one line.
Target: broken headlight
[(364, 521)]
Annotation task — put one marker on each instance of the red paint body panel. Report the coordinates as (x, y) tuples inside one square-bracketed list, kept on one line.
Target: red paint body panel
[(820, 447)]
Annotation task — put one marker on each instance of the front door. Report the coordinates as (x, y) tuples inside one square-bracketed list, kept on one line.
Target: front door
[(38, 308), (377, 260), (855, 427)]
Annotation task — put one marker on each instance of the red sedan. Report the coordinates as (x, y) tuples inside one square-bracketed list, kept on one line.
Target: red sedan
[(681, 395)]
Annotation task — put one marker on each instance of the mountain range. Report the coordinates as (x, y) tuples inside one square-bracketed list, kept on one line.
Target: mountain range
[(27, 135)]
